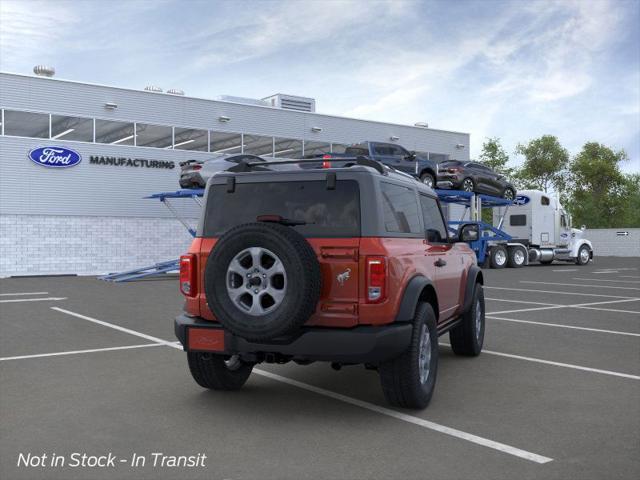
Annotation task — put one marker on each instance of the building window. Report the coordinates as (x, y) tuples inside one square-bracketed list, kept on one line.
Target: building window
[(287, 148), (115, 133), (438, 157), (26, 124), (400, 209), (338, 148), (191, 139), (258, 145), (226, 142), (71, 128), (312, 149), (156, 136)]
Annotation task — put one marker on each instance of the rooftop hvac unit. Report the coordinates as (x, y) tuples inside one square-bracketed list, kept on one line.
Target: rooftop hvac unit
[(44, 71), (153, 88), (243, 100), (291, 102), (175, 91)]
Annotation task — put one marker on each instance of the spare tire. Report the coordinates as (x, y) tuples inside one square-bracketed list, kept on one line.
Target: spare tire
[(262, 280)]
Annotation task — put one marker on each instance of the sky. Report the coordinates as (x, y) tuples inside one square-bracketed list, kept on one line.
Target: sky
[(514, 69)]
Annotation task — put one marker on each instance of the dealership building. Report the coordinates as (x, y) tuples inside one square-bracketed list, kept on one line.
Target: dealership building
[(86, 212)]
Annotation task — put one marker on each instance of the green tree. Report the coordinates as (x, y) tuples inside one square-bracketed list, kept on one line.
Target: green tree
[(494, 156), (545, 164), (599, 194)]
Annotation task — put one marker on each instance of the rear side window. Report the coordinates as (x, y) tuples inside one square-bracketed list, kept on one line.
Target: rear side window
[(355, 151), (327, 213), (433, 222), (400, 209), (518, 220)]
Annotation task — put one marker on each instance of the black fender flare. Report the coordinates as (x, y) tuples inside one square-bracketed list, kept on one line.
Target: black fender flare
[(428, 170), (473, 276), (411, 297)]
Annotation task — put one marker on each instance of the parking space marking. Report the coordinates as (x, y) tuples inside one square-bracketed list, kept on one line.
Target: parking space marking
[(520, 301), (581, 285), (567, 270), (75, 352), (597, 330), (517, 452), (577, 305), (47, 299), (558, 364), (560, 293), (629, 276), (604, 280), (115, 327), (22, 293), (343, 398)]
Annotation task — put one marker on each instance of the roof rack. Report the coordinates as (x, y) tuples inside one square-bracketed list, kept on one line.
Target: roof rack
[(360, 160)]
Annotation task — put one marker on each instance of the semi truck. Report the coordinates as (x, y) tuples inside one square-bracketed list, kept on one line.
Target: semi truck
[(535, 227)]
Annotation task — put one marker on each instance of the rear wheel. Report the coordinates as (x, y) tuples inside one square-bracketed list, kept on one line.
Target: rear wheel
[(517, 257), (408, 380), (468, 185), (509, 194), (498, 256), (218, 372), (428, 180), (468, 337)]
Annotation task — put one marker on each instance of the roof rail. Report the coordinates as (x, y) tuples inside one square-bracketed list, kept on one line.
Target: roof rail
[(360, 160)]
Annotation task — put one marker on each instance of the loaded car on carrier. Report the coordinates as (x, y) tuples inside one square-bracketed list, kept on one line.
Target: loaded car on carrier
[(348, 265)]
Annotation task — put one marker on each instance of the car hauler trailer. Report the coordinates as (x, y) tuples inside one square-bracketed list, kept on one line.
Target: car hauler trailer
[(532, 228)]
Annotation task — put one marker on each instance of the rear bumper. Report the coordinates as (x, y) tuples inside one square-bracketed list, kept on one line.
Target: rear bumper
[(365, 344)]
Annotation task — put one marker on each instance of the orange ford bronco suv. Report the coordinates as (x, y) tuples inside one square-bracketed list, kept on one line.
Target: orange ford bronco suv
[(349, 265)]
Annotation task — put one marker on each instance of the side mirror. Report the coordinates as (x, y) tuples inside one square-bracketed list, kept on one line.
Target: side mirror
[(411, 157), (469, 233)]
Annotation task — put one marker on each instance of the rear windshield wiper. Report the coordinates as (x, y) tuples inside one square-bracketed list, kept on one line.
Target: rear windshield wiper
[(281, 220)]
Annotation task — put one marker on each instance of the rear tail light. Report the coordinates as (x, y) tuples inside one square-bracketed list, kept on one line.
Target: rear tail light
[(188, 271), (376, 279), (453, 170), (326, 163)]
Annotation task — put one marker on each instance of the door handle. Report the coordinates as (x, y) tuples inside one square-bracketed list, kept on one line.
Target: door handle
[(440, 263)]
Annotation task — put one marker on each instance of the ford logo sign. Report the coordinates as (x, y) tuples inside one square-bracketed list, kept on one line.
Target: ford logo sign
[(521, 200), (55, 157)]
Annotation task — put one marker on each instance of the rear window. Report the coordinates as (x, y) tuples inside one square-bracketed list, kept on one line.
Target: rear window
[(450, 163), (328, 213)]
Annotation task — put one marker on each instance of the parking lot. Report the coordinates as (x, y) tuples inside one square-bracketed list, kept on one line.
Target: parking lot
[(89, 366)]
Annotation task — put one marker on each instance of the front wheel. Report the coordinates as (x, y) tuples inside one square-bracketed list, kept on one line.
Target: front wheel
[(468, 185), (408, 381), (218, 372), (509, 194), (428, 180), (468, 337), (584, 255)]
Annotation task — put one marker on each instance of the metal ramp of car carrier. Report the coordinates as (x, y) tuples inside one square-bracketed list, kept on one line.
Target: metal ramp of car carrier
[(168, 266)]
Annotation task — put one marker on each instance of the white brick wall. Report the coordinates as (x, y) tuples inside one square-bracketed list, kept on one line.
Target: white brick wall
[(607, 242), (45, 245)]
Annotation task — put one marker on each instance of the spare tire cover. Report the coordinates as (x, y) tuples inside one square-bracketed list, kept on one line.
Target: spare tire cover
[(262, 280)]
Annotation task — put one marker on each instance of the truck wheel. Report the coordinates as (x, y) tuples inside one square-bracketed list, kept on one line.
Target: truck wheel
[(408, 380), (468, 185), (428, 180), (262, 280), (517, 257), (467, 338), (498, 256), (584, 255), (218, 372), (509, 194)]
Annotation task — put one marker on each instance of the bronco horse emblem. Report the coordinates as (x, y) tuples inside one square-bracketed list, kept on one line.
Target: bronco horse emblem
[(343, 277)]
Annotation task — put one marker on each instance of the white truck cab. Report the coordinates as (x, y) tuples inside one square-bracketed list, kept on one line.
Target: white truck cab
[(537, 221)]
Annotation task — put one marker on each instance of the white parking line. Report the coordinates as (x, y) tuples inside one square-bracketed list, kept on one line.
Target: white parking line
[(517, 452), (74, 352), (559, 293), (581, 285), (343, 398), (577, 305), (603, 280), (47, 299), (116, 327), (559, 364), (587, 329), (520, 301), (22, 293), (567, 270), (629, 276)]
